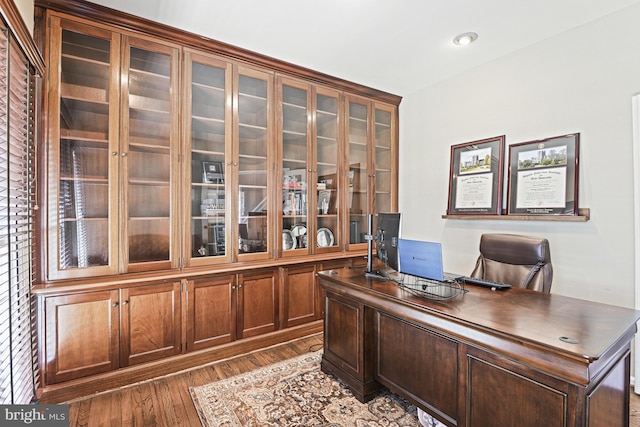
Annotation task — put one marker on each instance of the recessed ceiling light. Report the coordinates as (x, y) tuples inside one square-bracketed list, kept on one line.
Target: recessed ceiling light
[(465, 39)]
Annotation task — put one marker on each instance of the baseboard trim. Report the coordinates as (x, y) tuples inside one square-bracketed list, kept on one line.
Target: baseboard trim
[(70, 390)]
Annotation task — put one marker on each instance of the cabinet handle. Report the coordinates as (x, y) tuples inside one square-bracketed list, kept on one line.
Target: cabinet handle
[(114, 153), (115, 304), (233, 286), (124, 154), (125, 302)]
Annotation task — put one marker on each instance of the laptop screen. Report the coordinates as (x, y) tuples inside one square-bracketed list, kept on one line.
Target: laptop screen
[(422, 259)]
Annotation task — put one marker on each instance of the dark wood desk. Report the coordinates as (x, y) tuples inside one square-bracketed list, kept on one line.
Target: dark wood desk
[(485, 358)]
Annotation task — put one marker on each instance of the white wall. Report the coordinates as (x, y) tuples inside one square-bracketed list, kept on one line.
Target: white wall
[(581, 81), (25, 7)]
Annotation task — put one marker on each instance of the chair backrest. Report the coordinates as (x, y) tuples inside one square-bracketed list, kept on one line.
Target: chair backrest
[(521, 261)]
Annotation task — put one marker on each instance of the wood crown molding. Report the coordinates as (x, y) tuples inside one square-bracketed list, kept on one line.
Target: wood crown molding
[(16, 24), (131, 23)]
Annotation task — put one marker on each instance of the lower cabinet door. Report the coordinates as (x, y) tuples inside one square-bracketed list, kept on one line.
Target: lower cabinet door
[(301, 303), (257, 303), (81, 336), (211, 312), (150, 322)]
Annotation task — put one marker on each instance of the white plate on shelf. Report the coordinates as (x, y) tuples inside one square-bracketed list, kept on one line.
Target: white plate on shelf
[(325, 238), (288, 241)]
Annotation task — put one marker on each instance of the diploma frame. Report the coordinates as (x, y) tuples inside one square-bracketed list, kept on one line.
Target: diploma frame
[(543, 176), (476, 177)]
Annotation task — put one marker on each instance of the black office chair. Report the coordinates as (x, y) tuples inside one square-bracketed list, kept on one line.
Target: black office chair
[(521, 261)]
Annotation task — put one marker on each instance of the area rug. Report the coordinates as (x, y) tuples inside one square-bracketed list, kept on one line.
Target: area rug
[(295, 393)]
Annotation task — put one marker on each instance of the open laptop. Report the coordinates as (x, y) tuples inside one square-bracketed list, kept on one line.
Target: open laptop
[(423, 259)]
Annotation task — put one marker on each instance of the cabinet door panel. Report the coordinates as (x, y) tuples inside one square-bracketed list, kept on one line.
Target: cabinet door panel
[(494, 393), (328, 152), (436, 388), (150, 322), (211, 311), (358, 137), (81, 335), (83, 134), (148, 141), (253, 156), (206, 106), (294, 141), (385, 159), (300, 293), (257, 304)]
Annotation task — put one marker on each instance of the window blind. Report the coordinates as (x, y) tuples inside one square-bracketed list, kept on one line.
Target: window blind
[(18, 358)]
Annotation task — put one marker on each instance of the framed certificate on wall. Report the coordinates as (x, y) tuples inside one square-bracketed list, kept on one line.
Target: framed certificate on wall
[(475, 177), (543, 176)]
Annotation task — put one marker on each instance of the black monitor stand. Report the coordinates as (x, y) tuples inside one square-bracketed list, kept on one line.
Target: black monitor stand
[(369, 237)]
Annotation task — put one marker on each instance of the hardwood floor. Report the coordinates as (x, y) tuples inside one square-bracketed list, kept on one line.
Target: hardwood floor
[(634, 409), (166, 401)]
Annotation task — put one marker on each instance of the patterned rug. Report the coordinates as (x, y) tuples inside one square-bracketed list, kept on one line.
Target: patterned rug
[(295, 393)]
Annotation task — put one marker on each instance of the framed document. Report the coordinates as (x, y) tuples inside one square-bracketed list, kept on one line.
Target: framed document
[(543, 176), (213, 173), (475, 177)]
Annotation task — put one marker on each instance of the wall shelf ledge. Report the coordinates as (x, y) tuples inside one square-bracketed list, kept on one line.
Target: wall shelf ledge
[(584, 215)]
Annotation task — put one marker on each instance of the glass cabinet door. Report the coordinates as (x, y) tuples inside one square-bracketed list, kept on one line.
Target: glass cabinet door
[(327, 155), (252, 159), (83, 228), (294, 143), (207, 94), (385, 159), (357, 170), (148, 150)]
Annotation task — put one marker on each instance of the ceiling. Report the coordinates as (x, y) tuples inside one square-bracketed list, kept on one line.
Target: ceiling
[(397, 46)]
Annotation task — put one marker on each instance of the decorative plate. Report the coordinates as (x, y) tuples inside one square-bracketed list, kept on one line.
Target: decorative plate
[(288, 241), (324, 238), (298, 230)]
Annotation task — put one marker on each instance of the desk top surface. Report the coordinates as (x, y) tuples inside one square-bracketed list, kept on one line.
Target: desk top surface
[(525, 316)]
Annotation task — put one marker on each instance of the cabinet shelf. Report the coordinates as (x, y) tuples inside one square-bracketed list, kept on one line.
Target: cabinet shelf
[(142, 146), (83, 93), (91, 219), (207, 121), (85, 179), (148, 182), (153, 108), (78, 135), (583, 216)]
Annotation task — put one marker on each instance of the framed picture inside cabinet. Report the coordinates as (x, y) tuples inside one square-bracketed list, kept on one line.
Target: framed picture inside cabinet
[(213, 173), (543, 176), (475, 177)]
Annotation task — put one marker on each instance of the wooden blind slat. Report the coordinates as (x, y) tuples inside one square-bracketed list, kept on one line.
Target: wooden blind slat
[(18, 370)]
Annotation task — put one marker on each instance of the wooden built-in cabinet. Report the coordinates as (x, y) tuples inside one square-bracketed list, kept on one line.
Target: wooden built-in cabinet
[(94, 332), (193, 190), (372, 162), (112, 152), (225, 308), (310, 152)]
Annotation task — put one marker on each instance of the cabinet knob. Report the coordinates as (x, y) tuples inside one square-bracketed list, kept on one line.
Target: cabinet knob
[(124, 154), (114, 153), (115, 304), (125, 302)]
